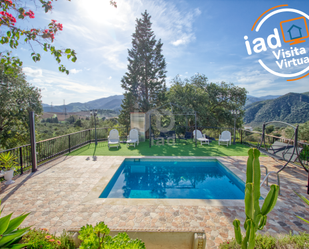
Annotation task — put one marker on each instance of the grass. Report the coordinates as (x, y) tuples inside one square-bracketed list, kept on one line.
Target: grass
[(179, 149)]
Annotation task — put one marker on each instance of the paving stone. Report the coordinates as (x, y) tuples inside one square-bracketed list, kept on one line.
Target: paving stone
[(54, 196)]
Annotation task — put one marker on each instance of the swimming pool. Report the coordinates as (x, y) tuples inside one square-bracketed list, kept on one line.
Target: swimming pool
[(174, 179)]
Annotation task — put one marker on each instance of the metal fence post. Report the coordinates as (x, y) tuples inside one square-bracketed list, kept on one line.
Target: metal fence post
[(21, 160), (32, 141), (69, 144), (195, 130), (241, 136), (149, 130)]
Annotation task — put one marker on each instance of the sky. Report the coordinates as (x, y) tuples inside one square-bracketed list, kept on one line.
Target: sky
[(198, 36)]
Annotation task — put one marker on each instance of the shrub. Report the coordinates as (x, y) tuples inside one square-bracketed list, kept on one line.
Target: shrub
[(270, 242), (10, 234), (277, 134), (41, 238), (212, 133), (251, 138), (306, 201), (97, 237), (269, 129), (8, 160), (259, 129), (78, 123)]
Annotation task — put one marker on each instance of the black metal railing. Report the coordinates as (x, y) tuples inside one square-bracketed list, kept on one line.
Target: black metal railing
[(253, 138), (51, 148)]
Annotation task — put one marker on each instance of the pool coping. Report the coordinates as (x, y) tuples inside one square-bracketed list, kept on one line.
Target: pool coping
[(93, 196)]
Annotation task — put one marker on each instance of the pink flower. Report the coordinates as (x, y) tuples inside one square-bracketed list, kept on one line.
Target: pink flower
[(59, 26), (30, 14)]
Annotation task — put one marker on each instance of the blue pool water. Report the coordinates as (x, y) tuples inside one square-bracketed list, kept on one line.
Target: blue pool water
[(180, 179)]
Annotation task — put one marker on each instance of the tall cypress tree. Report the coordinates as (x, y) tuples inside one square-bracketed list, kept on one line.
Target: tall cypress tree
[(144, 83)]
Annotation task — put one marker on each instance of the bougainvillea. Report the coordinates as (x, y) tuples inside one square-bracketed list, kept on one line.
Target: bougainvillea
[(11, 17)]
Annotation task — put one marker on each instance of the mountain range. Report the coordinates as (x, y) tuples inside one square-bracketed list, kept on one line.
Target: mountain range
[(251, 99), (114, 103), (290, 108), (108, 103)]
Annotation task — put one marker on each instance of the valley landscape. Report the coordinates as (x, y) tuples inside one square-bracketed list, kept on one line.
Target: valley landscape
[(291, 108)]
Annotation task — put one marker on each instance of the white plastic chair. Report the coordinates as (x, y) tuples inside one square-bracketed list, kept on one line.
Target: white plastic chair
[(200, 137), (113, 139), (133, 138), (225, 137)]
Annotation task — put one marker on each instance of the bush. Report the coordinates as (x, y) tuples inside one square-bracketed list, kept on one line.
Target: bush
[(251, 138), (269, 242), (78, 123), (10, 233), (259, 129), (97, 237), (277, 134), (212, 133), (41, 238), (269, 129)]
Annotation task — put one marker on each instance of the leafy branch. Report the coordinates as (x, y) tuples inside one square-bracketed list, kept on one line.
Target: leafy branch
[(13, 35)]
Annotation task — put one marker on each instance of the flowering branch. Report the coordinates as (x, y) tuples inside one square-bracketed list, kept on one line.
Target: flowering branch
[(14, 34)]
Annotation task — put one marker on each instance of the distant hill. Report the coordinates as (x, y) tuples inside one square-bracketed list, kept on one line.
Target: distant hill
[(290, 108), (252, 99), (108, 103)]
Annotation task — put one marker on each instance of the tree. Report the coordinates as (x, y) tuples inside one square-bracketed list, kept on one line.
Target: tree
[(269, 129), (127, 107), (55, 120), (72, 119), (212, 102), (78, 123), (17, 98), (12, 31), (144, 83)]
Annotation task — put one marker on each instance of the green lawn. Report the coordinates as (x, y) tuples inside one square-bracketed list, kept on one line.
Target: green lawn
[(179, 149)]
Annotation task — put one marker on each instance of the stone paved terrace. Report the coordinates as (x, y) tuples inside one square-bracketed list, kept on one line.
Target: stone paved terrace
[(62, 195)]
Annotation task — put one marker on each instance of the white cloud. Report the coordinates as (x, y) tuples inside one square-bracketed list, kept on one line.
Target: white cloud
[(183, 40), (173, 23), (112, 53), (32, 72), (110, 77), (75, 71), (36, 80), (62, 81)]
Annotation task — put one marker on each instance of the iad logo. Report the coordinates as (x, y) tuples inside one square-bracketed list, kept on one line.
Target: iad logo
[(293, 32)]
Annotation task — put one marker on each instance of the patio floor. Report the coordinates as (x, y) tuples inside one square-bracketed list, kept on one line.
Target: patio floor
[(58, 196)]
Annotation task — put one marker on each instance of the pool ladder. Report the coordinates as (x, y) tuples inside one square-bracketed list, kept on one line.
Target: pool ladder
[(268, 174)]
